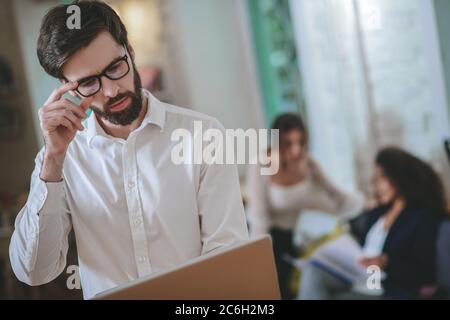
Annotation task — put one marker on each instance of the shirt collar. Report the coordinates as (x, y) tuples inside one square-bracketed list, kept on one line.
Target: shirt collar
[(156, 114)]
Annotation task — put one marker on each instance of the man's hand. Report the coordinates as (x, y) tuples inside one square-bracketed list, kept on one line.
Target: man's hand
[(60, 119)]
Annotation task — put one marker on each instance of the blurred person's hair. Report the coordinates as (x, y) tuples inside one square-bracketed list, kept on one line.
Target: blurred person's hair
[(287, 122), (413, 179), (57, 43)]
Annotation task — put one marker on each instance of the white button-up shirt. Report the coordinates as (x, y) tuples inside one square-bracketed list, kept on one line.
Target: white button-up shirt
[(133, 210)]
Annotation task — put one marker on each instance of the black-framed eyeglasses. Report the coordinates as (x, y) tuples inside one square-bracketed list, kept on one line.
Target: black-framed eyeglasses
[(116, 70)]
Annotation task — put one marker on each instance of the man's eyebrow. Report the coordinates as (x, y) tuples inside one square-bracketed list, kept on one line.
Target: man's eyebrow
[(93, 76)]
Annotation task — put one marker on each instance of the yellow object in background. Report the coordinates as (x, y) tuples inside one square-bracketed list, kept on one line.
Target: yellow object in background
[(307, 252)]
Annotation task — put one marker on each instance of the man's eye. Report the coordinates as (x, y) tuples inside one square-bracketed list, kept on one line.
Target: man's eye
[(114, 68), (88, 83)]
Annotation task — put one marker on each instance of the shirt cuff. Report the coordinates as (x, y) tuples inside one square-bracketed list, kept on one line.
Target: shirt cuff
[(47, 197)]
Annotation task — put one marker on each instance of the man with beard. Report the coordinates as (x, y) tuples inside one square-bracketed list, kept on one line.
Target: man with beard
[(111, 178)]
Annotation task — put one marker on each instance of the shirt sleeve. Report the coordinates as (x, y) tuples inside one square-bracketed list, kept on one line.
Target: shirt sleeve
[(39, 243), (221, 211)]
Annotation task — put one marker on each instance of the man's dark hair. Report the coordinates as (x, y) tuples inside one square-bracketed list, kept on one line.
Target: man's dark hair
[(57, 43)]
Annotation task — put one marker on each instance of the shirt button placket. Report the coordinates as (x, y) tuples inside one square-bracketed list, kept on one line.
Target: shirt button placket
[(135, 211)]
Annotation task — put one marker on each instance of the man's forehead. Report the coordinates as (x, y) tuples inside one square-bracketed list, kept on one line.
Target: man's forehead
[(93, 58)]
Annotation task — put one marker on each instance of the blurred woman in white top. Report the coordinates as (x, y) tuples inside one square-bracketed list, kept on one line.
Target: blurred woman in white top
[(275, 202)]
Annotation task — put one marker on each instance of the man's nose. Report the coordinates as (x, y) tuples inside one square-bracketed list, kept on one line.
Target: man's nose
[(109, 87)]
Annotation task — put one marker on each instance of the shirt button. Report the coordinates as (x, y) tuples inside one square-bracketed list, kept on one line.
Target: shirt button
[(142, 259), (137, 222), (130, 184), (42, 197)]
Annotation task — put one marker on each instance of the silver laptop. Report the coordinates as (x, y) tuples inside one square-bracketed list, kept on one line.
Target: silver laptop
[(239, 272)]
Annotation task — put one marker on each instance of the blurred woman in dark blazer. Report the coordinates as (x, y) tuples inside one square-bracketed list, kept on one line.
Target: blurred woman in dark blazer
[(400, 235)]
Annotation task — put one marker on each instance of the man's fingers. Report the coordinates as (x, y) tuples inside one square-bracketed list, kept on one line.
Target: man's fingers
[(86, 103), (61, 121), (66, 123), (65, 104), (74, 119), (55, 118), (59, 92), (79, 112)]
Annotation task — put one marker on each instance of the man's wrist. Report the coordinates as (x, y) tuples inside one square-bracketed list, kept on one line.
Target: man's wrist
[(51, 170)]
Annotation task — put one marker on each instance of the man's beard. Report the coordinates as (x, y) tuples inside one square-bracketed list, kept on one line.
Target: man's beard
[(128, 115)]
